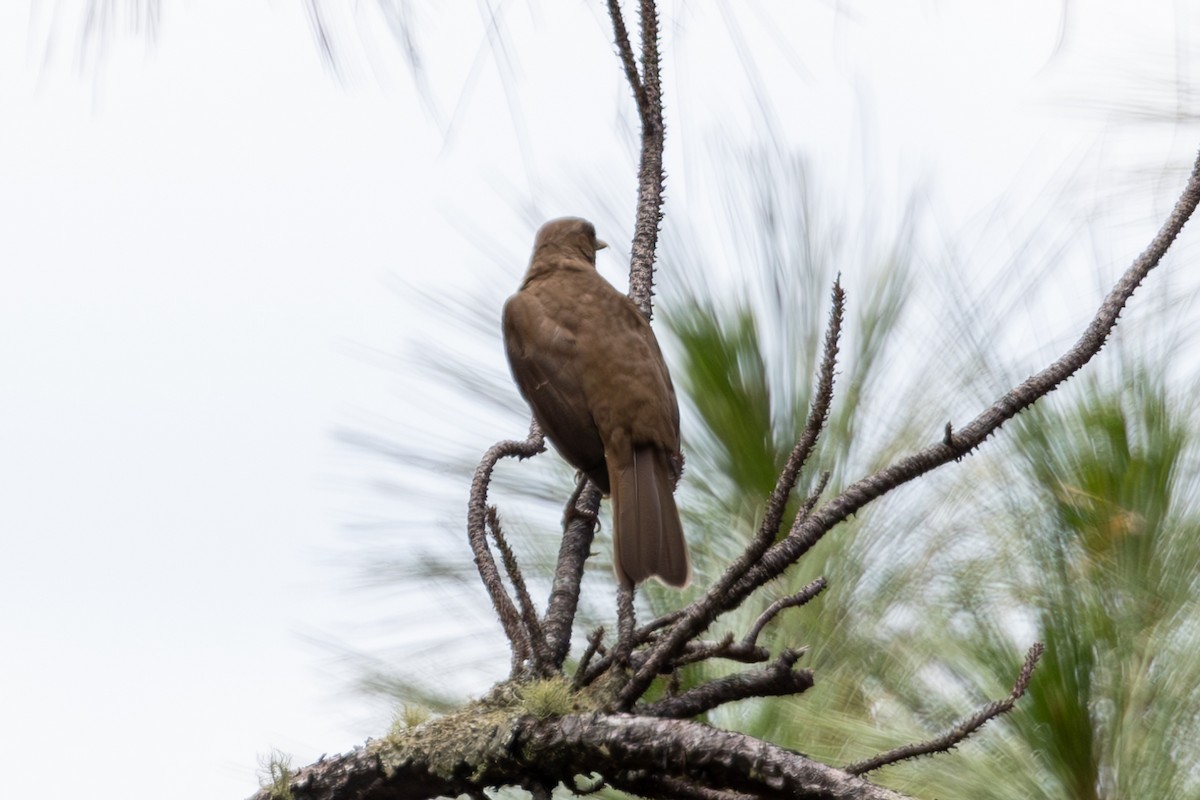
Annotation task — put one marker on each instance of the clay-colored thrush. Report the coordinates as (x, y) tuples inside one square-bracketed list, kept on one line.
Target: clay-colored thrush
[(587, 362)]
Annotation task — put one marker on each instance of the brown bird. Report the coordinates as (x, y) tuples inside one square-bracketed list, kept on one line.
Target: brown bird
[(587, 362)]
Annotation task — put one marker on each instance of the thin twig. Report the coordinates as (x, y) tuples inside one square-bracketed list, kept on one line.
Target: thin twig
[(647, 92), (818, 413), (962, 730), (791, 601), (593, 647), (810, 502), (701, 613), (644, 634), (653, 625), (625, 51), (539, 650), (693, 652)]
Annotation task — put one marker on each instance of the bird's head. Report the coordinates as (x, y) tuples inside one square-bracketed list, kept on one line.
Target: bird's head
[(569, 236)]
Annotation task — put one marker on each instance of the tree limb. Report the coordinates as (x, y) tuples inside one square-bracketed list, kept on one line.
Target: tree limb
[(568, 575), (495, 749), (960, 731), (776, 680)]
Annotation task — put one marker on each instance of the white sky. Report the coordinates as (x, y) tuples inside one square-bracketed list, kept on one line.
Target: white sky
[(197, 245)]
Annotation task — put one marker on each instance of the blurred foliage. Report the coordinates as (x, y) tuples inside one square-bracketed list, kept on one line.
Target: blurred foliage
[(1084, 536), (1079, 531)]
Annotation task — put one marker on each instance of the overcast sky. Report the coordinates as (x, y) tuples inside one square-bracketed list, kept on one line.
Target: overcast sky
[(202, 238)]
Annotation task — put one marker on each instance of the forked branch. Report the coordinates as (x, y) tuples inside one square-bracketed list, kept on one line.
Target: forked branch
[(647, 92), (477, 507)]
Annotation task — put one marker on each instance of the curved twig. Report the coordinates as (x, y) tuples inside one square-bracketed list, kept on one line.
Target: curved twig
[(791, 601), (960, 731), (510, 618)]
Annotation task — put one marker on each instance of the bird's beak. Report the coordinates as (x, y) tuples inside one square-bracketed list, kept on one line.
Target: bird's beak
[(600, 244)]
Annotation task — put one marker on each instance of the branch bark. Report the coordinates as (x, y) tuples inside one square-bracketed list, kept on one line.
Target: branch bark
[(647, 93), (627, 750)]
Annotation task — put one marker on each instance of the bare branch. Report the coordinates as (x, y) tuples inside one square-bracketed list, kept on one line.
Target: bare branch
[(810, 502), (773, 681), (818, 413), (625, 623), (693, 652), (647, 92), (477, 506), (712, 603), (625, 51), (791, 601), (723, 596), (568, 575), (624, 749), (592, 647), (650, 627), (697, 651), (962, 730), (538, 649)]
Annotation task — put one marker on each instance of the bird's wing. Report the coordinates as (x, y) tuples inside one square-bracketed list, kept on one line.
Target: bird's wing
[(543, 355), (627, 381)]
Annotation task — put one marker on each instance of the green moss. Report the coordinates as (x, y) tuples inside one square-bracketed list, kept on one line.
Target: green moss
[(547, 698), (410, 717), (275, 774), (472, 741)]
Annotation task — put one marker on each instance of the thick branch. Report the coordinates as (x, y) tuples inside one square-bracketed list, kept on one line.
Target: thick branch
[(568, 575), (624, 749), (700, 614)]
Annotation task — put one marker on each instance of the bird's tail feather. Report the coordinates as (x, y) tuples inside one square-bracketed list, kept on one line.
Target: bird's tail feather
[(648, 535)]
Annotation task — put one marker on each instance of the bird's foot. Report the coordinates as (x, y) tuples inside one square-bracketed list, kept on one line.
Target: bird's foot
[(572, 510)]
